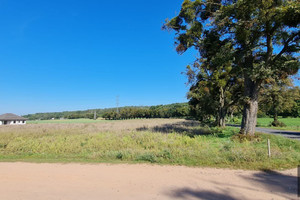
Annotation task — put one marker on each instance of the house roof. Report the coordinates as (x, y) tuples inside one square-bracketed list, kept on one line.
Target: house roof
[(10, 116)]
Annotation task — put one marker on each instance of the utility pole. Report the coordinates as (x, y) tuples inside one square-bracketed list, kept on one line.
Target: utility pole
[(117, 104), (95, 115)]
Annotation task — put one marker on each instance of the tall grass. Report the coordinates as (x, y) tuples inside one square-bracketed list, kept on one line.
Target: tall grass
[(176, 142)]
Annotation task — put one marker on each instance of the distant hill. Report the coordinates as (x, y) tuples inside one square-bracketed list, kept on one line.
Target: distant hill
[(161, 111)]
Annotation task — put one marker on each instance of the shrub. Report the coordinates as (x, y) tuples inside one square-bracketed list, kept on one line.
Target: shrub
[(149, 157), (277, 123)]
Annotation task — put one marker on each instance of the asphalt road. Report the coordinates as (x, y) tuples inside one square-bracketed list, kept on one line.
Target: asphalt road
[(288, 134)]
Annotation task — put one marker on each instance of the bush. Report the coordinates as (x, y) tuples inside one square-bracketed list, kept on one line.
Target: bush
[(261, 114), (148, 157), (278, 124), (234, 120), (243, 138)]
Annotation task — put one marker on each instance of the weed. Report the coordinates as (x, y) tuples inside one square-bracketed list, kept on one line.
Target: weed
[(173, 141)]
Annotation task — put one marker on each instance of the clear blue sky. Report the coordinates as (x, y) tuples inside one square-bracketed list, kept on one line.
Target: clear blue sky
[(71, 55), (58, 55)]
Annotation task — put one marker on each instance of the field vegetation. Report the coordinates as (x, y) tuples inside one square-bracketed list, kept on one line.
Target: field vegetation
[(64, 121), (160, 141), (290, 123)]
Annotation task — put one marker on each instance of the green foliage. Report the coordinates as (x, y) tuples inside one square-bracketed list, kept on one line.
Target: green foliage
[(245, 138), (280, 97), (179, 110), (162, 111), (240, 35), (148, 157)]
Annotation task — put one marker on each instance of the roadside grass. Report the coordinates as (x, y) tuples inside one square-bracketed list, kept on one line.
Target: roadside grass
[(64, 121), (291, 123), (172, 142)]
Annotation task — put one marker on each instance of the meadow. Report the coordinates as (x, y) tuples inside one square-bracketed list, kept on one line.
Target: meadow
[(159, 141), (291, 123)]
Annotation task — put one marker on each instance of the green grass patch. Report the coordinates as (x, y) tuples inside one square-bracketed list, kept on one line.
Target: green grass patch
[(291, 123), (215, 148)]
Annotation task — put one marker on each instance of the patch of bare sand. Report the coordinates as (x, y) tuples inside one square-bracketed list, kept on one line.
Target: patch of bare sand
[(103, 181)]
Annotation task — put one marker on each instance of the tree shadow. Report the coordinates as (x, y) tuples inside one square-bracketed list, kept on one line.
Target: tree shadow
[(187, 193), (270, 181), (286, 132), (276, 181), (190, 128)]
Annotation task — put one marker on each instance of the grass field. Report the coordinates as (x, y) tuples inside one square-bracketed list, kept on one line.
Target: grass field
[(161, 141), (291, 123), (67, 121)]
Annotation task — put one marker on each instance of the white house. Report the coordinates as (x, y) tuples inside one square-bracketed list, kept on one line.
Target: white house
[(12, 119)]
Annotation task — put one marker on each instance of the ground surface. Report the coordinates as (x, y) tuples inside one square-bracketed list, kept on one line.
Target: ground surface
[(288, 134), (102, 181)]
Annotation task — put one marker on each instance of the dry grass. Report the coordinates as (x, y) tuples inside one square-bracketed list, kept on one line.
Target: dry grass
[(165, 141), (84, 128)]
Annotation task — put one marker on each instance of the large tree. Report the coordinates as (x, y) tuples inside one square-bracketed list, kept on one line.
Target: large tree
[(265, 37)]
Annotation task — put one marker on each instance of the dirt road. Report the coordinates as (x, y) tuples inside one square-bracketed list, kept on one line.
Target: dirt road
[(103, 181)]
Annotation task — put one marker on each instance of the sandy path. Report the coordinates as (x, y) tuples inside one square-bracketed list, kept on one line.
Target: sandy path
[(103, 181)]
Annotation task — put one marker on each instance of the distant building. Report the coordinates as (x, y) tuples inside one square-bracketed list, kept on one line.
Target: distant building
[(12, 119)]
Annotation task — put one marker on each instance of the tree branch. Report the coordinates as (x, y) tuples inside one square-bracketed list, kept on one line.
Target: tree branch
[(286, 45)]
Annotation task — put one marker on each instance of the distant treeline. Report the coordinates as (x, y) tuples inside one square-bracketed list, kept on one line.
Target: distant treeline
[(178, 110), (160, 111)]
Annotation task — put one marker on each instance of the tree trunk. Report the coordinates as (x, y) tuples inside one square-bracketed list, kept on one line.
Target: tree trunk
[(275, 117), (221, 122), (250, 108), (231, 114)]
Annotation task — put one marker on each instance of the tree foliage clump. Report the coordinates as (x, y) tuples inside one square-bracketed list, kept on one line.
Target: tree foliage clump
[(162, 111), (174, 110), (279, 97)]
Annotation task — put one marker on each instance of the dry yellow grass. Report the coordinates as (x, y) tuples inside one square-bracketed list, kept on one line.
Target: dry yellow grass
[(108, 126), (165, 141)]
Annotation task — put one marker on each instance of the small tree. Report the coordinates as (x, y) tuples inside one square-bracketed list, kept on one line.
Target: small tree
[(279, 97)]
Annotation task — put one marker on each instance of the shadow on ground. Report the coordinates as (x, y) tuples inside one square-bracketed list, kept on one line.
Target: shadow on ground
[(267, 181), (187, 193), (285, 132), (190, 128), (275, 181)]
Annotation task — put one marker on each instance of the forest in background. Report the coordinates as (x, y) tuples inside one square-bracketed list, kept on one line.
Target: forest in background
[(175, 110)]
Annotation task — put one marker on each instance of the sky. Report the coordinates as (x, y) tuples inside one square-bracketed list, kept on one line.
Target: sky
[(63, 55)]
